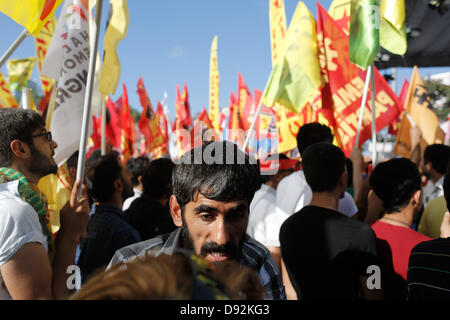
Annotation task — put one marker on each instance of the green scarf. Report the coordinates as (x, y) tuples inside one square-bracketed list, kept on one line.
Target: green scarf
[(37, 201)]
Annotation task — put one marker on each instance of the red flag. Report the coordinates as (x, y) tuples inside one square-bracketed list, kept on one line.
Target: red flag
[(393, 127), (164, 125), (201, 124), (236, 129), (149, 123), (344, 83), (113, 128), (128, 135), (97, 131), (182, 108), (245, 102)]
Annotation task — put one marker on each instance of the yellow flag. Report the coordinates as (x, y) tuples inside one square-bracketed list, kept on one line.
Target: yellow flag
[(7, 100), (288, 124), (278, 27), (32, 14), (57, 188), (19, 72), (393, 27), (42, 41), (214, 81), (116, 31), (417, 104), (296, 74)]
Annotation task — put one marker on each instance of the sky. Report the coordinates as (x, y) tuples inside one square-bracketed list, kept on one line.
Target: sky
[(168, 44)]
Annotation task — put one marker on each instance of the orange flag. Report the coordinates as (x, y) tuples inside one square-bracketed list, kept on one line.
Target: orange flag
[(418, 106)]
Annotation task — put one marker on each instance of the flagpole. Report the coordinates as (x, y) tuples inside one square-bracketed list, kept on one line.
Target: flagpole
[(14, 46), (88, 96), (374, 124), (363, 105), (102, 105), (51, 105)]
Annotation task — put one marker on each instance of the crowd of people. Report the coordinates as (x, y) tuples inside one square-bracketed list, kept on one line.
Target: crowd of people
[(218, 224)]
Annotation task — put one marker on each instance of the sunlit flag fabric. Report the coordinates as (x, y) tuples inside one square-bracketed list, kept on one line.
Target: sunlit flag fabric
[(42, 42), (235, 129), (32, 14), (245, 102), (149, 123), (340, 11), (419, 107), (19, 72), (113, 122), (364, 32), (116, 31), (395, 125), (297, 67), (67, 61), (128, 137), (7, 100), (214, 85), (393, 26), (202, 124), (344, 83)]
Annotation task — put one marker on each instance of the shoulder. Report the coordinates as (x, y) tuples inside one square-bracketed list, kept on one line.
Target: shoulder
[(19, 224)]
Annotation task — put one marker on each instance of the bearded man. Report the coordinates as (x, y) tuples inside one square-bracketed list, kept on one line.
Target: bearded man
[(213, 186)]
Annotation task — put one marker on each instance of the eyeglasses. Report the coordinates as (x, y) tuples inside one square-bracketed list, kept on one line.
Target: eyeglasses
[(47, 134)]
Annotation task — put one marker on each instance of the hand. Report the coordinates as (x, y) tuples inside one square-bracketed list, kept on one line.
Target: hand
[(445, 226), (415, 135), (75, 214), (356, 157)]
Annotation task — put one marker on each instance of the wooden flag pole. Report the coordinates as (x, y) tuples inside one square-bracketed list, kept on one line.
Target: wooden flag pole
[(103, 110), (363, 105), (88, 96), (14, 46), (374, 124)]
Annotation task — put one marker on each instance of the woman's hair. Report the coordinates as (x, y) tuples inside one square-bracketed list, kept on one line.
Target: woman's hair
[(181, 276)]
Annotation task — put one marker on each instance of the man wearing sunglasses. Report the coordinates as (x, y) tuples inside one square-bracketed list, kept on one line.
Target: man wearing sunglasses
[(33, 265)]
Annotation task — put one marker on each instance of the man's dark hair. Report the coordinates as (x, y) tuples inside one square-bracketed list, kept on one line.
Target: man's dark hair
[(438, 155), (16, 124), (312, 133), (156, 178), (136, 166), (101, 175), (447, 186), (223, 173), (73, 160), (394, 182), (323, 165)]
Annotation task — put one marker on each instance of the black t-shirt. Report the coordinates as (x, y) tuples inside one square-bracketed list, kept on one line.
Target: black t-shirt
[(149, 217), (325, 253)]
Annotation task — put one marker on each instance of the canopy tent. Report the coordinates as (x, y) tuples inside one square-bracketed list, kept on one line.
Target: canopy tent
[(428, 36)]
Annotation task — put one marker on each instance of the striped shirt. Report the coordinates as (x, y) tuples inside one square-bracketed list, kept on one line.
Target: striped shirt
[(429, 270), (253, 255)]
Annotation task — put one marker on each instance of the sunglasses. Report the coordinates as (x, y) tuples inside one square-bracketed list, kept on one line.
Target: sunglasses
[(47, 134)]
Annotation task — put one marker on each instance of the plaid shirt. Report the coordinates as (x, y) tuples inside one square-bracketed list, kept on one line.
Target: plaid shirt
[(254, 255), (108, 231)]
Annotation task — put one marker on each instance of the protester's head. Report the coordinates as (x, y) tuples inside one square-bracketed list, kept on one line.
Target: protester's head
[(157, 178), (282, 166), (213, 186), (136, 167), (107, 178), (180, 276), (397, 182), (312, 133), (447, 186), (436, 157), (324, 168), (24, 139)]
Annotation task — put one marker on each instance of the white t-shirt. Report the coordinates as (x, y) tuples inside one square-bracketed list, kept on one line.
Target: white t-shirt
[(294, 193), (265, 217), (19, 224), (433, 190), (128, 201)]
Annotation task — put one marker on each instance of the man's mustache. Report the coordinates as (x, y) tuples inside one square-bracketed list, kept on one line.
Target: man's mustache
[(228, 249)]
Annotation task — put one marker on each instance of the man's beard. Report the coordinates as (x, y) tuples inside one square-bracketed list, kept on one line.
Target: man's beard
[(40, 164), (127, 189), (229, 248)]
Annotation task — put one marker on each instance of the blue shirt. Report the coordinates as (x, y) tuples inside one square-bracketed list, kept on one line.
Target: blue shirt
[(108, 231)]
